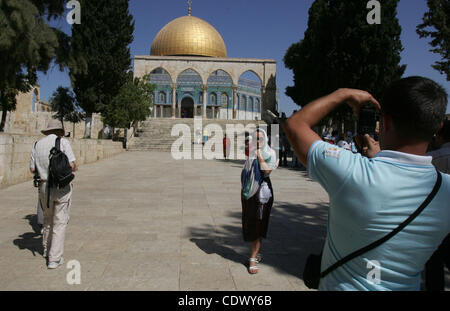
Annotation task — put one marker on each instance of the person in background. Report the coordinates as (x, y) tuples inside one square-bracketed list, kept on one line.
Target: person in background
[(284, 144), (329, 139), (295, 161), (226, 146), (205, 135), (335, 135), (198, 135), (342, 143), (441, 156), (435, 266), (349, 138), (248, 140)]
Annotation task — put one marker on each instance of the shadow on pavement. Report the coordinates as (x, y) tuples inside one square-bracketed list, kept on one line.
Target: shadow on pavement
[(31, 240), (240, 162), (295, 231)]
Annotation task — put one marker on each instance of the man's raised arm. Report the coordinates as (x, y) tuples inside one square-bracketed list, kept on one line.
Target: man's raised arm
[(298, 128)]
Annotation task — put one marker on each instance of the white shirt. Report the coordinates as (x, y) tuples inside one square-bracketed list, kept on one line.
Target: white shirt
[(41, 151), (441, 158)]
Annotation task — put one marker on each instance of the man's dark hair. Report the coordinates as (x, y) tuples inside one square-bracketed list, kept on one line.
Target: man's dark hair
[(417, 106), (444, 132)]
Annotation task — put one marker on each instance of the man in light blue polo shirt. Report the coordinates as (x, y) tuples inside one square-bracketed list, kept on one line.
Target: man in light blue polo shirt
[(371, 195)]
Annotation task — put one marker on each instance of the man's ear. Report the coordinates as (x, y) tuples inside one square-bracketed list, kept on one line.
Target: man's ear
[(439, 135), (440, 128), (387, 122)]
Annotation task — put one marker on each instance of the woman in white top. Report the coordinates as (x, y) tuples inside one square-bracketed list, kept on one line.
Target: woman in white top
[(257, 194)]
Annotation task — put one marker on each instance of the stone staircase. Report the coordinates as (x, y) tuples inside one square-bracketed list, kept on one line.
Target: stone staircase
[(155, 134)]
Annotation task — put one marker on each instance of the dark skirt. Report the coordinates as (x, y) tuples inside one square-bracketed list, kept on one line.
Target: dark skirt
[(254, 228)]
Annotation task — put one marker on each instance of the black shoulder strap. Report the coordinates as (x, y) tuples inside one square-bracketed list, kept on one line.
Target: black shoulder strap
[(390, 235), (58, 143)]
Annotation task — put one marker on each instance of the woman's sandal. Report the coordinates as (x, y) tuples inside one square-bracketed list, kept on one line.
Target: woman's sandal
[(259, 257), (253, 269)]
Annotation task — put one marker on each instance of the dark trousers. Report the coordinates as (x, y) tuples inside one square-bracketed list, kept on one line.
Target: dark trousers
[(283, 158), (434, 268)]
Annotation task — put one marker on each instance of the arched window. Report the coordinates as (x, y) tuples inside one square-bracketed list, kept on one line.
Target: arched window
[(250, 106), (162, 97), (212, 99), (224, 100), (258, 105), (244, 103)]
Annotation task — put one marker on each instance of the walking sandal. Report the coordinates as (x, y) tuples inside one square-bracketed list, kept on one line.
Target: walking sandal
[(253, 269)]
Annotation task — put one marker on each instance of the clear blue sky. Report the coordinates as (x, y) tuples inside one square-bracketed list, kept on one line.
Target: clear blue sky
[(258, 29)]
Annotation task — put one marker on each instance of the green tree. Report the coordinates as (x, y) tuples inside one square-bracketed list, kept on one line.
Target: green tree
[(438, 17), (8, 103), (64, 104), (340, 49), (132, 104), (103, 40), (27, 45)]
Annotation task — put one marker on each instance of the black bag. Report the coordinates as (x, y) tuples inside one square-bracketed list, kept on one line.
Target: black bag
[(60, 171), (311, 272)]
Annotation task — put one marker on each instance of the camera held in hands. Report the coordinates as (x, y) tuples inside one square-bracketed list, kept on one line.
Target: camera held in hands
[(367, 121)]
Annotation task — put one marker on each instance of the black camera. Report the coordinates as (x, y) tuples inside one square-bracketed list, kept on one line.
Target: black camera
[(36, 180), (367, 122)]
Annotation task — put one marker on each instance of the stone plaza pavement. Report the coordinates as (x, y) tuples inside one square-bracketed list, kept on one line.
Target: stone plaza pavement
[(142, 221)]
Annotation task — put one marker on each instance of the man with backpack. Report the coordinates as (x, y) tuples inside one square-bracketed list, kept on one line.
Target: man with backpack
[(53, 159)]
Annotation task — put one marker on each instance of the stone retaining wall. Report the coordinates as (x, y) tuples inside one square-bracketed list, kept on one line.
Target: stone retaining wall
[(15, 152), (31, 123)]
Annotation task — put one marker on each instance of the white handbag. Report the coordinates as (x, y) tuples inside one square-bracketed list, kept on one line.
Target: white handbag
[(264, 193)]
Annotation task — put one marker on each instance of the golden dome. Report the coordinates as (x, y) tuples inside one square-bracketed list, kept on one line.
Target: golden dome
[(188, 35)]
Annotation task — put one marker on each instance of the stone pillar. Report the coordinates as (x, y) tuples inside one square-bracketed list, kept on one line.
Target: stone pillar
[(234, 100), (174, 99), (213, 112), (205, 100), (263, 92), (162, 111), (195, 109)]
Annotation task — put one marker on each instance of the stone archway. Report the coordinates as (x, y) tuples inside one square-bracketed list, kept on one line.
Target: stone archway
[(187, 107)]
